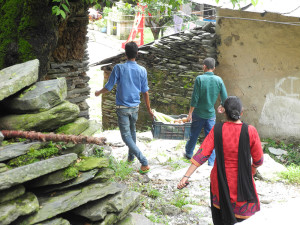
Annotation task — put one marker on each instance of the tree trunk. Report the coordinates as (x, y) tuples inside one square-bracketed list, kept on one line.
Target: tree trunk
[(155, 32)]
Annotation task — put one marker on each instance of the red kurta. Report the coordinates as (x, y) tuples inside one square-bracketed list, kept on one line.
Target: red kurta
[(231, 134)]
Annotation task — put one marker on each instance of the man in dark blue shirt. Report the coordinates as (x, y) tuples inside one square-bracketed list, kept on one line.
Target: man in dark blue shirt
[(131, 80)]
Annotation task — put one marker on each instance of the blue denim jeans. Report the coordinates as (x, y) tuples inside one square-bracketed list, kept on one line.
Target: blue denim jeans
[(127, 118), (197, 124)]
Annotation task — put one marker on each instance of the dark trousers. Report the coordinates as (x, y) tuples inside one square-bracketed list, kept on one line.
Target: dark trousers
[(217, 218)]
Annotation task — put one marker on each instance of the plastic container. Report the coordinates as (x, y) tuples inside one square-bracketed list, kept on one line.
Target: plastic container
[(171, 131)]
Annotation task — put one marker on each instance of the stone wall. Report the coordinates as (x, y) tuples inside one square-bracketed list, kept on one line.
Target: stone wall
[(28, 30), (259, 62), (70, 58), (42, 180), (172, 63)]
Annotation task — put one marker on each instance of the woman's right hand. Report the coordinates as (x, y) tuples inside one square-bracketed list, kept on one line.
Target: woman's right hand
[(183, 183), (254, 170)]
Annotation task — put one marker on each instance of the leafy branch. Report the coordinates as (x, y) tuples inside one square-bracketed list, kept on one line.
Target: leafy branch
[(61, 9)]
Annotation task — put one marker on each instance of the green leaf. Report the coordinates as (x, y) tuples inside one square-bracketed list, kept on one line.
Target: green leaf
[(67, 1), (254, 2), (63, 14), (65, 7)]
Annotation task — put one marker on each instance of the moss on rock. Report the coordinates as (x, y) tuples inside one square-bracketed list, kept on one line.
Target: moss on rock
[(89, 163)]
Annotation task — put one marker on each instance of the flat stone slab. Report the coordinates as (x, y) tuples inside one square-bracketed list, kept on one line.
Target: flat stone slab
[(61, 202), (12, 193), (41, 96), (84, 177), (15, 150), (16, 77), (24, 205), (49, 120), (97, 210), (29, 172), (277, 151), (56, 221)]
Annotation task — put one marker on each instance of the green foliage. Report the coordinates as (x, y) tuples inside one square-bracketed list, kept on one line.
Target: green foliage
[(98, 152), (293, 151), (292, 175), (71, 172), (34, 155), (101, 23), (153, 193), (179, 199), (5, 143), (61, 9), (106, 11), (121, 168)]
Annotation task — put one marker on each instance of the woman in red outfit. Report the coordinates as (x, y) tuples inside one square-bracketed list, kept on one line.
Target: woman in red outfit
[(233, 193)]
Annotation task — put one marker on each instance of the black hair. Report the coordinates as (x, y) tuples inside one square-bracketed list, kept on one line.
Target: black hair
[(233, 108), (210, 63), (131, 50)]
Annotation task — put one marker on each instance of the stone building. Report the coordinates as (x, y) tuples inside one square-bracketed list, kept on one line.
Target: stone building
[(172, 63)]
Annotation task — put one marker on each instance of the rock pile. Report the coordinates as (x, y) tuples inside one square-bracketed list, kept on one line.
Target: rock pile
[(172, 63), (46, 183)]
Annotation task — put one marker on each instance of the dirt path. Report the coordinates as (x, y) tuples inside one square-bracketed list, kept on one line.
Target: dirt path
[(163, 203)]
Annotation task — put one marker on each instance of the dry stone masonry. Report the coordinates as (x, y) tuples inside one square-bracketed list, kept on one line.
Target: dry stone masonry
[(173, 63), (46, 183)]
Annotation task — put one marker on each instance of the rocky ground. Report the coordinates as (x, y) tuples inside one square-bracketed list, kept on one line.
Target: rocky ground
[(163, 203)]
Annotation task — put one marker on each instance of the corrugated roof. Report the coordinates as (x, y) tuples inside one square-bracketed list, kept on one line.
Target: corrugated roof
[(284, 7)]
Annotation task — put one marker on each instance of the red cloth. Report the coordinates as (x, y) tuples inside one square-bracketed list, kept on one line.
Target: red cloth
[(230, 134)]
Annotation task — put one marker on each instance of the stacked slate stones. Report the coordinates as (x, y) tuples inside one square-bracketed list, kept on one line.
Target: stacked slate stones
[(172, 63), (52, 183)]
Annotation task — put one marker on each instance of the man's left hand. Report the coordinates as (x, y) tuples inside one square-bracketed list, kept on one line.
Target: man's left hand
[(221, 109)]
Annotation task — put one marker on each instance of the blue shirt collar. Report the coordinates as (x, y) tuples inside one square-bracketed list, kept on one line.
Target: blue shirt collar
[(129, 61)]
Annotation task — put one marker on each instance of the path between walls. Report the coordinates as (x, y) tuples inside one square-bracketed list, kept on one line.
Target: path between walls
[(100, 46)]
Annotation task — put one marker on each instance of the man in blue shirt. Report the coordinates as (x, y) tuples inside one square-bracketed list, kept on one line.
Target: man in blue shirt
[(131, 80)]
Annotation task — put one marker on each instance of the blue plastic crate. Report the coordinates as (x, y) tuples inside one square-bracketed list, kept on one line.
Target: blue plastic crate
[(171, 131)]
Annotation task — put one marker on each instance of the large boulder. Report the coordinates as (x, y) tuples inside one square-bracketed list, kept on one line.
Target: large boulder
[(40, 97), (15, 78), (29, 172), (24, 205), (270, 169), (62, 114)]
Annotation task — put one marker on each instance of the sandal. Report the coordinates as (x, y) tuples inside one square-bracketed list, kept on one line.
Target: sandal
[(144, 169)]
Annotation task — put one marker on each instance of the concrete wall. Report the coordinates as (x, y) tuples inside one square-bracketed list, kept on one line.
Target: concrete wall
[(260, 62)]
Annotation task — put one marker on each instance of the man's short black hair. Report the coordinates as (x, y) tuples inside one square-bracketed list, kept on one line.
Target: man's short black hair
[(210, 63), (131, 50)]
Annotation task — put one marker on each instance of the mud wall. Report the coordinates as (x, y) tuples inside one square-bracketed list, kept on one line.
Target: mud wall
[(259, 62)]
